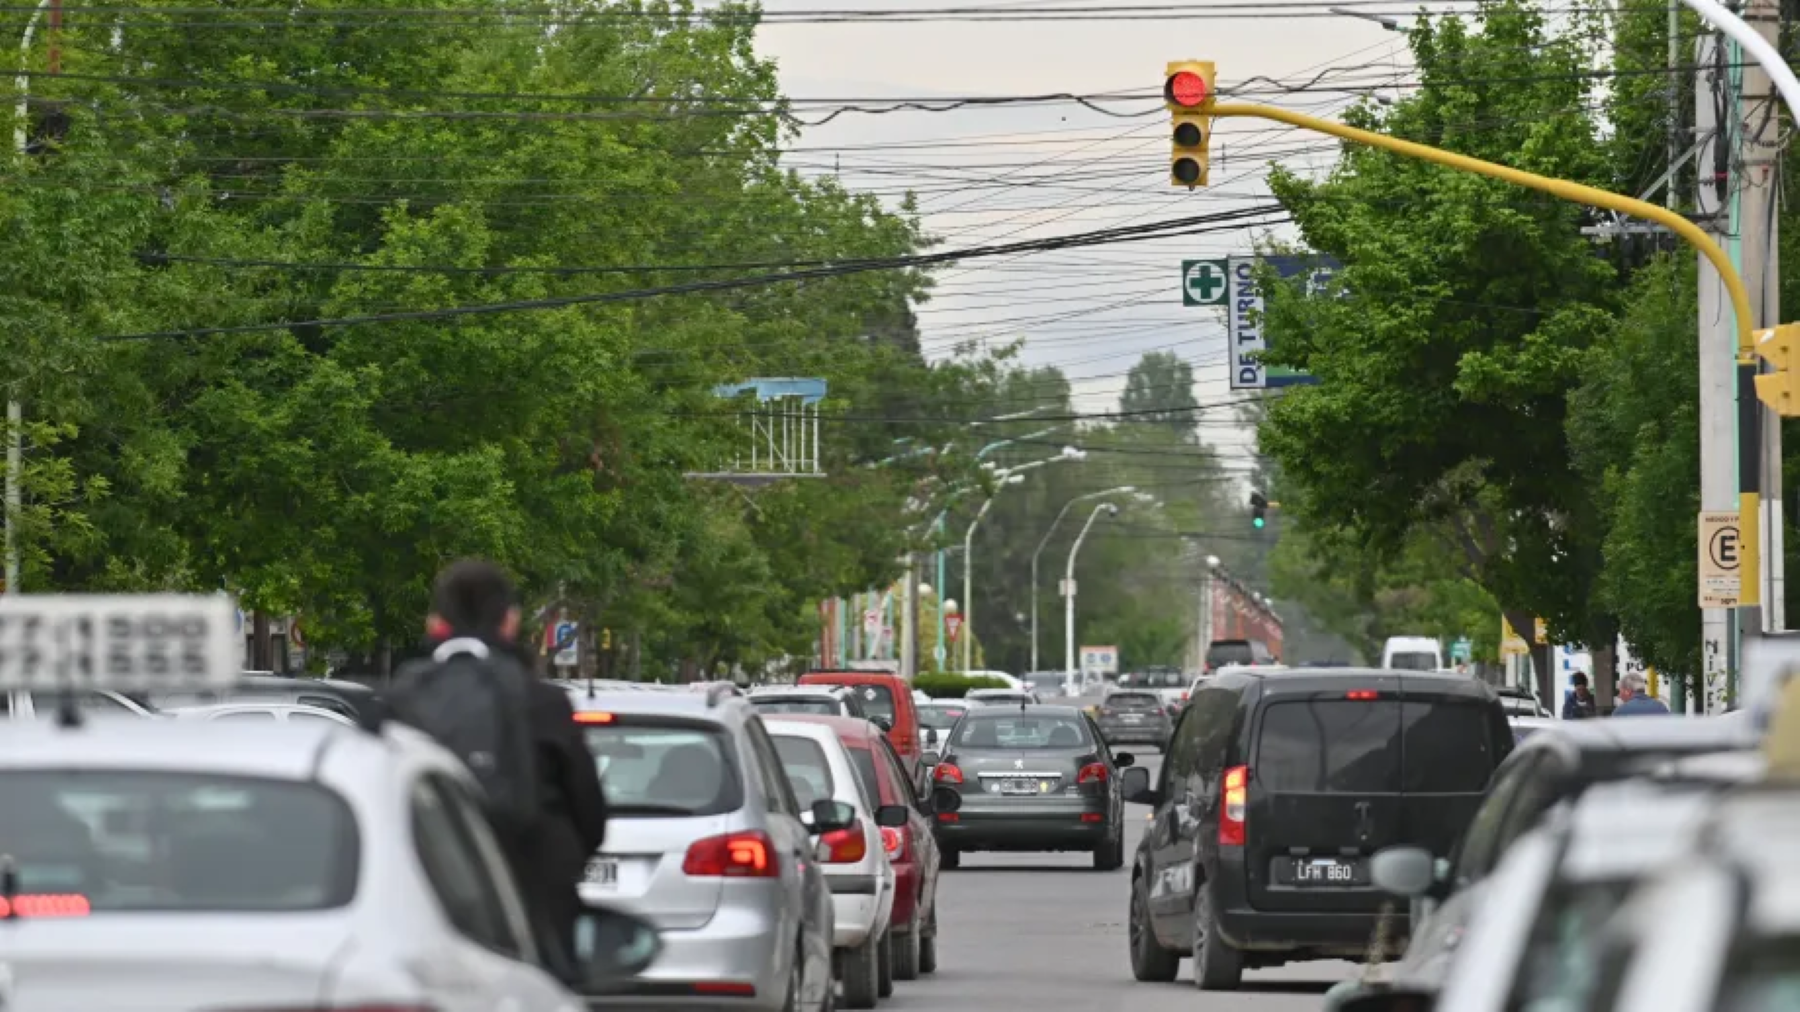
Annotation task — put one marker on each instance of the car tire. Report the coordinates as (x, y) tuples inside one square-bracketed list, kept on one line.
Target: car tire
[(1150, 962), (862, 976), (950, 859), (1217, 966), (928, 944), (904, 949), (884, 966), (1110, 856)]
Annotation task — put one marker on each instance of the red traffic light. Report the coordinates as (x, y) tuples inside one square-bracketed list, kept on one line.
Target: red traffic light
[(1185, 88)]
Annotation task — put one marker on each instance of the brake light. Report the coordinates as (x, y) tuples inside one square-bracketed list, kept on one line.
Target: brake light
[(733, 855), (45, 905), (1362, 694), (1184, 696), (894, 842), (359, 1008), (845, 846), (1231, 817), (593, 717), (947, 773), (1092, 773)]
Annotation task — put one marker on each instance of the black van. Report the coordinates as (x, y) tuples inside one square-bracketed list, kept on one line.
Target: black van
[(1277, 788)]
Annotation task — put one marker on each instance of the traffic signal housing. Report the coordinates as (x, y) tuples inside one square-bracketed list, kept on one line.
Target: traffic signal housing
[(1259, 508), (1188, 92), (1780, 389)]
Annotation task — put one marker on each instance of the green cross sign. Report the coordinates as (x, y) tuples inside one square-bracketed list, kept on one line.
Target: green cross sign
[(1203, 282)]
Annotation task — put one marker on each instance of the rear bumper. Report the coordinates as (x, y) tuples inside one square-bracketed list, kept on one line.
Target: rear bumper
[(987, 823), (736, 950), (1300, 933), (860, 905)]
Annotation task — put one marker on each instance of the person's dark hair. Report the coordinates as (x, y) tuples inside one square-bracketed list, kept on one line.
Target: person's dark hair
[(473, 597), (1578, 678)]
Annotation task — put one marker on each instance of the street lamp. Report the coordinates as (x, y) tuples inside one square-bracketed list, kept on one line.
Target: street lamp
[(1009, 476), (1121, 490), (1110, 510), (1381, 19)]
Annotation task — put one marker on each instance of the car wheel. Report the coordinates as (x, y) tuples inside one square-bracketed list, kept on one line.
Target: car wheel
[(862, 976), (904, 948), (950, 859), (884, 966), (1149, 960), (928, 944), (1217, 966), (1110, 856)]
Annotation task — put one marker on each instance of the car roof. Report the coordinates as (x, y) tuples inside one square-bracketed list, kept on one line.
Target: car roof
[(815, 691), (800, 728), (1281, 681), (859, 677), (285, 750), (1626, 828), (1031, 709), (1651, 734), (946, 703), (852, 730), (671, 700), (1745, 830)]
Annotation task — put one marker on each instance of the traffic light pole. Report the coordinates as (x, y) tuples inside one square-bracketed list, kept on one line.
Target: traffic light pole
[(1749, 447)]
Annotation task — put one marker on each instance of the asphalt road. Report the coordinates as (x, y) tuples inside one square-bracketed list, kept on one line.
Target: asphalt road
[(1046, 933)]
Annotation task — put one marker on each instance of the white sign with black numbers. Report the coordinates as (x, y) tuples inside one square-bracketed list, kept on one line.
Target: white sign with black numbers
[(124, 641)]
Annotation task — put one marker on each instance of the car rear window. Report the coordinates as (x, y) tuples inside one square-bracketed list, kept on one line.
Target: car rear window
[(876, 700), (1230, 653), (1133, 701), (807, 768), (940, 717), (776, 704), (1154, 680), (1329, 746), (863, 761), (1019, 731), (1413, 661), (1379, 746), (106, 841), (654, 769)]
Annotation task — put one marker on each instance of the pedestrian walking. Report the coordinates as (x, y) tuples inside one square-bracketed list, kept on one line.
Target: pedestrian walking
[(1578, 702), (1635, 699), (477, 696)]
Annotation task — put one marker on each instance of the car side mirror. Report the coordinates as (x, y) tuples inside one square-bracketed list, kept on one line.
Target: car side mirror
[(931, 736), (1135, 782), (1124, 760), (882, 722), (830, 816), (612, 946), (930, 757), (1389, 999), (892, 816), (1408, 872)]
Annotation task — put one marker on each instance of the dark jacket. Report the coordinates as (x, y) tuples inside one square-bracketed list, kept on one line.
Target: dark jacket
[(1575, 709), (1644, 705)]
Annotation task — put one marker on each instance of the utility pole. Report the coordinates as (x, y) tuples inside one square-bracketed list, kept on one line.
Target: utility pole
[(1758, 162), (1718, 386), (909, 619)]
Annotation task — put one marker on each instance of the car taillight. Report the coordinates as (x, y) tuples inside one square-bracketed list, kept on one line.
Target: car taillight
[(44, 905), (344, 1008), (894, 842), (1231, 818), (1184, 697), (947, 773), (733, 855), (845, 846), (1092, 773), (1363, 695)]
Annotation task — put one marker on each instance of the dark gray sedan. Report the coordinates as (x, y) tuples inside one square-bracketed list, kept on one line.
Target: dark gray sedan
[(1030, 778), (1135, 717)]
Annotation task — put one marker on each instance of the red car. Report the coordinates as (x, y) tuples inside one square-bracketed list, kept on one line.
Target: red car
[(912, 848)]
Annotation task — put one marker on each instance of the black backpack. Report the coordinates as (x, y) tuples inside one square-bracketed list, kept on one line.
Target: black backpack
[(476, 704)]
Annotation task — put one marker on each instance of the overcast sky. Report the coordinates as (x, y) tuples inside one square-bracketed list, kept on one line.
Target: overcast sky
[(991, 175)]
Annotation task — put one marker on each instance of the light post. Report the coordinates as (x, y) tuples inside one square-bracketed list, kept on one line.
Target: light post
[(15, 412), (1069, 686), (1121, 490), (1008, 476)]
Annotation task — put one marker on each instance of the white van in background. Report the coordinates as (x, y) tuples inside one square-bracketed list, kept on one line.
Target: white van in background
[(1412, 653)]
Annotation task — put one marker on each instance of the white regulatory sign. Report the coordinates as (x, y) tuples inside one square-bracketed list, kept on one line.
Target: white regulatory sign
[(118, 641)]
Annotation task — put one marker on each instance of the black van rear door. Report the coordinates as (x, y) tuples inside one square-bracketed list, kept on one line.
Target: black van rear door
[(1324, 796), (1451, 746)]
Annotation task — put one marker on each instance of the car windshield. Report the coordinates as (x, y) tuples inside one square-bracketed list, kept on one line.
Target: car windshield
[(807, 768), (823, 705), (104, 841), (1009, 732), (1558, 972), (1764, 977), (942, 718), (655, 769), (1133, 701), (1413, 661)]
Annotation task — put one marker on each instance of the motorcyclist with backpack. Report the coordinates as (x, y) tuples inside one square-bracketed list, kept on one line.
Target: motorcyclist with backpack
[(477, 696)]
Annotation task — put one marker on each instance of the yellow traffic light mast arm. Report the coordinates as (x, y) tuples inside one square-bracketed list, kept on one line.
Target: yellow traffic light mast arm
[(1749, 480), (1574, 192)]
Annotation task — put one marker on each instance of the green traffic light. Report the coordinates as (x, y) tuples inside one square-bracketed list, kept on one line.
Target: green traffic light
[(1257, 522)]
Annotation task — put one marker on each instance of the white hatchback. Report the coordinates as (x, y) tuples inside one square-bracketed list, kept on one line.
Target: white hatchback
[(855, 860)]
